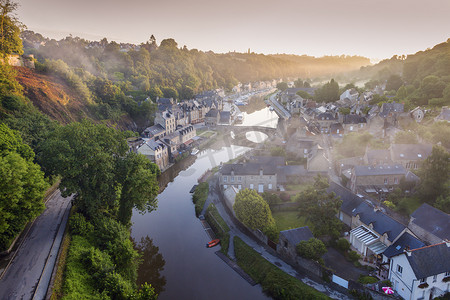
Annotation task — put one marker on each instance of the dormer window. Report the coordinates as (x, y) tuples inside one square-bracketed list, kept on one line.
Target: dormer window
[(402, 155)]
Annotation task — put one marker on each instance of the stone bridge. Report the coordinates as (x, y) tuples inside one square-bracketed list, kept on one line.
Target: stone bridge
[(238, 130)]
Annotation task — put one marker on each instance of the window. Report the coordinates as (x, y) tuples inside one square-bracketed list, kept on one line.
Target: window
[(225, 186), (270, 186), (385, 181), (225, 178), (239, 178), (395, 180), (399, 269), (434, 278), (251, 186), (232, 179), (447, 274), (423, 280), (240, 187), (351, 128)]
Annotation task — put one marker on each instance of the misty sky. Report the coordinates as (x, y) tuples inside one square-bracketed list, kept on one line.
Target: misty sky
[(375, 29)]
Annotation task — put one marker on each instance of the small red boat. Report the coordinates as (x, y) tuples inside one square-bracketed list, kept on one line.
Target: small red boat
[(213, 243)]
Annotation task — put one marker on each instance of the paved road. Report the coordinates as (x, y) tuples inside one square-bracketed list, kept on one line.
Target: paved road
[(22, 276)]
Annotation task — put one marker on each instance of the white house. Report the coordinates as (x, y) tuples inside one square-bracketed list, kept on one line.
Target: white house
[(422, 273)]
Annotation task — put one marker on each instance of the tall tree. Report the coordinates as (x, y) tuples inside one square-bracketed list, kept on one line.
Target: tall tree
[(394, 82), (329, 92), (10, 41), (435, 175), (320, 208), (94, 163)]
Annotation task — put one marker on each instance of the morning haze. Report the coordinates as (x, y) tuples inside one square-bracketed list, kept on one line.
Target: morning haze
[(375, 29)]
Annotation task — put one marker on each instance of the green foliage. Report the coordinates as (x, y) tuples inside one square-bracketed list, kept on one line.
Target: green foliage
[(79, 226), (94, 163), (22, 184), (252, 210), (311, 249), (282, 86), (329, 92), (199, 197), (343, 245), (219, 226), (394, 82), (344, 110), (277, 151), (304, 95), (320, 208), (353, 256), (271, 198), (435, 175), (443, 203), (10, 41), (367, 279), (389, 204), (276, 283)]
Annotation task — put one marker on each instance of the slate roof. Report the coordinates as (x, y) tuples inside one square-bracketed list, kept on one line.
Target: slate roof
[(378, 156), (306, 144), (164, 101), (350, 201), (335, 127), (406, 240), (225, 117), (444, 115), (430, 260), (410, 151), (284, 171), (395, 169), (155, 145), (393, 107), (432, 220), (326, 116), (381, 222), (247, 169), (295, 236), (271, 160), (153, 130), (354, 119), (212, 113)]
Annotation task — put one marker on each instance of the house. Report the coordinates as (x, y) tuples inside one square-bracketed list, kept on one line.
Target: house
[(377, 156), (422, 273), (295, 105), (172, 141), (411, 156), (324, 121), (156, 131), (430, 224), (350, 94), (156, 151), (354, 123), (317, 161), (383, 177), (225, 118), (373, 231), (444, 115), (167, 120), (212, 117), (337, 130), (417, 114), (289, 239), (268, 160), (350, 201), (301, 147), (164, 104), (187, 134), (248, 176), (391, 111), (405, 242)]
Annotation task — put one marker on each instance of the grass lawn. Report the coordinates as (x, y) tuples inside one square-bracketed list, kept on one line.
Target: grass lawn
[(206, 134), (288, 220), (296, 187)]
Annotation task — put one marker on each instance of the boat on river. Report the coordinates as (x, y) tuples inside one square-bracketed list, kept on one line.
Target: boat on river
[(194, 151), (213, 243)]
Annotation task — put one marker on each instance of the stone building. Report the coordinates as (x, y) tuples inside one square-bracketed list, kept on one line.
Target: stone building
[(248, 176), (167, 120), (384, 177), (430, 224), (156, 151), (289, 239)]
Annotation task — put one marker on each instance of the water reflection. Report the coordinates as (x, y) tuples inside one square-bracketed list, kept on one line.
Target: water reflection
[(256, 136), (152, 265)]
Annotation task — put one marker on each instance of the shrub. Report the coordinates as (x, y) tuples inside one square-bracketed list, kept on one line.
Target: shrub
[(311, 249), (79, 226), (199, 197), (354, 256), (367, 279), (343, 245)]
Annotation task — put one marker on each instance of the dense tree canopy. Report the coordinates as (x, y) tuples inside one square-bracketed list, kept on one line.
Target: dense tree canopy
[(252, 210), (10, 41), (329, 92), (94, 163), (22, 185), (311, 249)]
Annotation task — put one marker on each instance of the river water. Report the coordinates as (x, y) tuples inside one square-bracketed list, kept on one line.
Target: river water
[(173, 240)]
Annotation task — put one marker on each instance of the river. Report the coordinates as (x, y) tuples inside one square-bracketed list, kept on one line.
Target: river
[(176, 260)]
